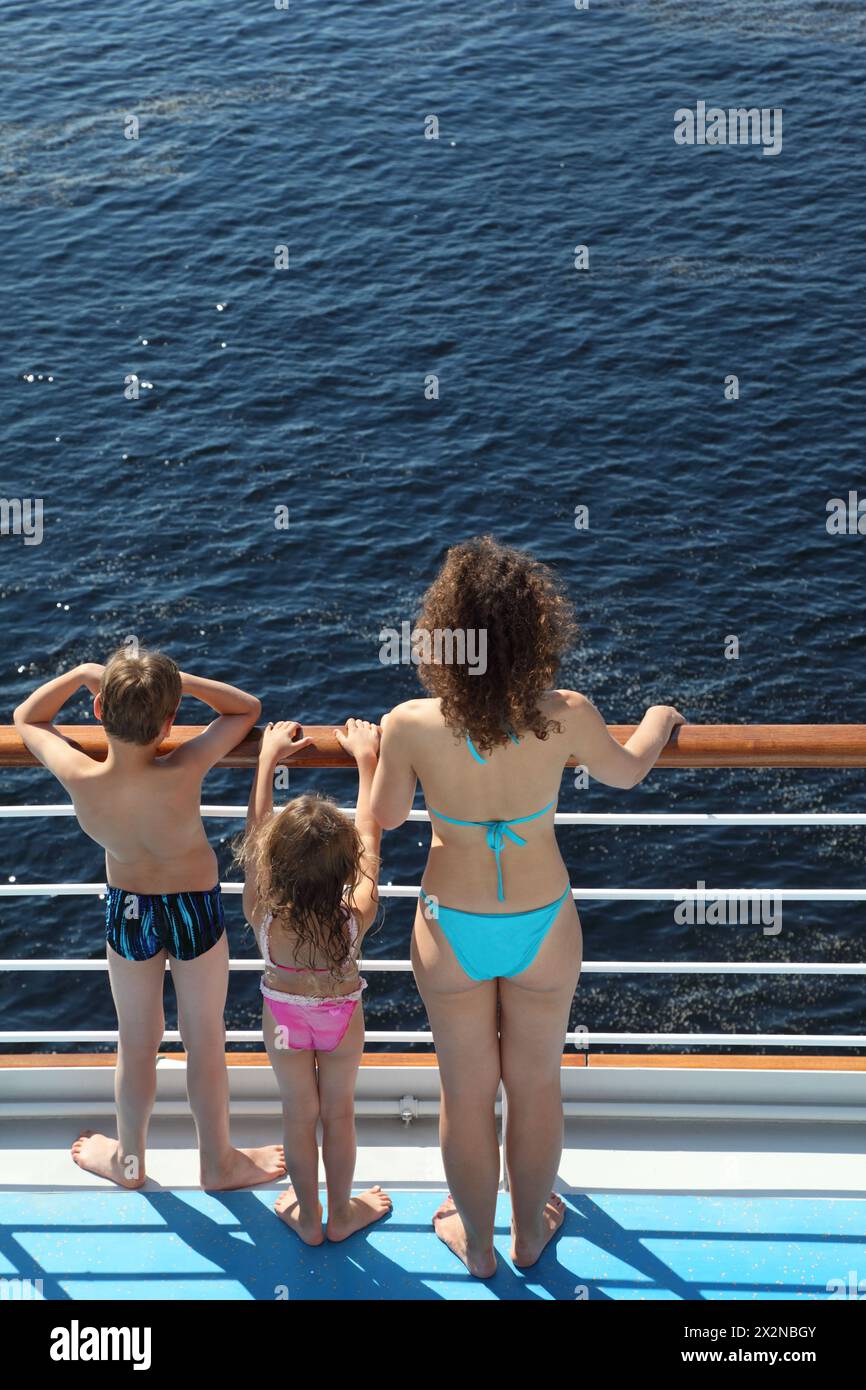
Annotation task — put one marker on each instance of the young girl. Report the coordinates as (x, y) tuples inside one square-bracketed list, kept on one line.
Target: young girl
[(310, 894)]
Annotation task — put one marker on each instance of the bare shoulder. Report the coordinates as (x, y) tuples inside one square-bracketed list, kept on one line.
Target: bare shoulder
[(414, 710), (180, 765), (81, 776), (79, 766), (412, 715), (568, 704), (69, 763)]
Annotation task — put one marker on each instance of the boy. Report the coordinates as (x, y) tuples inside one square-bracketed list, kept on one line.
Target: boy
[(163, 895)]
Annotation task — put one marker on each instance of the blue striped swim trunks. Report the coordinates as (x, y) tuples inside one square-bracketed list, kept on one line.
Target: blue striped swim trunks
[(138, 925)]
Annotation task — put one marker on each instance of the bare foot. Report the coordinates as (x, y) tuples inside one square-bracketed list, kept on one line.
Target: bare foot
[(100, 1155), (362, 1211), (308, 1227), (449, 1228), (244, 1168), (526, 1250)]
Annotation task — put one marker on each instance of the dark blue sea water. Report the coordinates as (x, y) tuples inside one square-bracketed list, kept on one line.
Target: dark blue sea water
[(304, 128)]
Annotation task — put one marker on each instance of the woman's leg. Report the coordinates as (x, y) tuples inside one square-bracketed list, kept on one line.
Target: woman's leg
[(201, 986), (295, 1071), (338, 1071), (462, 1014), (137, 989), (533, 1022)]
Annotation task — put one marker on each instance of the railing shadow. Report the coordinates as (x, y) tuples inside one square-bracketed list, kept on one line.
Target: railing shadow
[(161, 1243)]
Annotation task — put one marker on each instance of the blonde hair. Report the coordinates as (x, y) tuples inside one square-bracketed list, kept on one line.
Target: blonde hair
[(138, 694)]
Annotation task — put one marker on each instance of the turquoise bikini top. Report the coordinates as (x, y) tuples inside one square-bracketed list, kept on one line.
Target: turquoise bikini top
[(497, 830)]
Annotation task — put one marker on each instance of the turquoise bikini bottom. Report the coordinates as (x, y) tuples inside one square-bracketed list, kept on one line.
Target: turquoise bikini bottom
[(492, 944)]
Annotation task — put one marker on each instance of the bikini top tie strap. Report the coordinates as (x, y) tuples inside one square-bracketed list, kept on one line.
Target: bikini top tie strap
[(497, 832), (474, 751)]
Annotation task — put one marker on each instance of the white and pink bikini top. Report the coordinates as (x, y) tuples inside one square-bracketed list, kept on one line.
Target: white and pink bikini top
[(270, 963), (305, 1000)]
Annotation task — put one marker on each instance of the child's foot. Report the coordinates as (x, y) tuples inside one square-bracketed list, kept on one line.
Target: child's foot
[(449, 1228), (244, 1168), (526, 1250), (361, 1211), (309, 1226), (98, 1154)]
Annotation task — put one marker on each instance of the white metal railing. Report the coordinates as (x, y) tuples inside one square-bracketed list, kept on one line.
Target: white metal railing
[(410, 890), (407, 890), (591, 967), (581, 1039), (661, 818)]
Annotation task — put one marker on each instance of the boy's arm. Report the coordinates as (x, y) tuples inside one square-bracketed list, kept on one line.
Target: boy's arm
[(362, 741), (278, 741), (34, 721), (237, 712)]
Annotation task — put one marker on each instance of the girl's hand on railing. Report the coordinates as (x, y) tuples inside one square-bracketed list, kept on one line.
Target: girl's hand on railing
[(280, 741), (361, 739)]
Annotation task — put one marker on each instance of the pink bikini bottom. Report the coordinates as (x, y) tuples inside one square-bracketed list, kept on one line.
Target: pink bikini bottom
[(311, 1025)]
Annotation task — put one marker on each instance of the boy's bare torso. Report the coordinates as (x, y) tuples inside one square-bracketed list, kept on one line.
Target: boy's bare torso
[(148, 822)]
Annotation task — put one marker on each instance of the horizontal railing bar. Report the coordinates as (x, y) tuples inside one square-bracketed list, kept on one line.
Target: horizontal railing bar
[(691, 745), (663, 819), (396, 890), (720, 967), (252, 966), (672, 819), (589, 967), (580, 1040)]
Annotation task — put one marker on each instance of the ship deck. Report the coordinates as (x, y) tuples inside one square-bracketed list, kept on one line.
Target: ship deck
[(721, 1182), (686, 1177)]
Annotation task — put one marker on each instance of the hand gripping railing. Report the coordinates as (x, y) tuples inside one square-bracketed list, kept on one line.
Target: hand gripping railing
[(753, 746)]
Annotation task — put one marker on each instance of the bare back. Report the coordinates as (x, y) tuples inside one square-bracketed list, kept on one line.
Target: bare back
[(148, 822), (516, 780), (316, 978)]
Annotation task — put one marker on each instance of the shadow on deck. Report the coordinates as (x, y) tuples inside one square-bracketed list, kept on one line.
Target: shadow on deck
[(183, 1244)]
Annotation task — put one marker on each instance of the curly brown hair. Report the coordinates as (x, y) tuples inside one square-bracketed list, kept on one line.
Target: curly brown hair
[(529, 621), (306, 861)]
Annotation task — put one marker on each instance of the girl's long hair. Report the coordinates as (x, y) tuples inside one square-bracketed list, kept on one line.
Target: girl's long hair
[(306, 861)]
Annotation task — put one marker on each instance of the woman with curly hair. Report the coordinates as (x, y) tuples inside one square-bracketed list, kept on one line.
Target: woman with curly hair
[(496, 947)]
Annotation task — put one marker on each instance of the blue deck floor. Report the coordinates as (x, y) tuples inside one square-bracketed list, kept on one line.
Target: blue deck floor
[(163, 1244)]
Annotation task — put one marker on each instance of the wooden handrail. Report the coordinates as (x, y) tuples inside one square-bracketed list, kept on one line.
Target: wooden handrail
[(695, 1061), (692, 745)]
